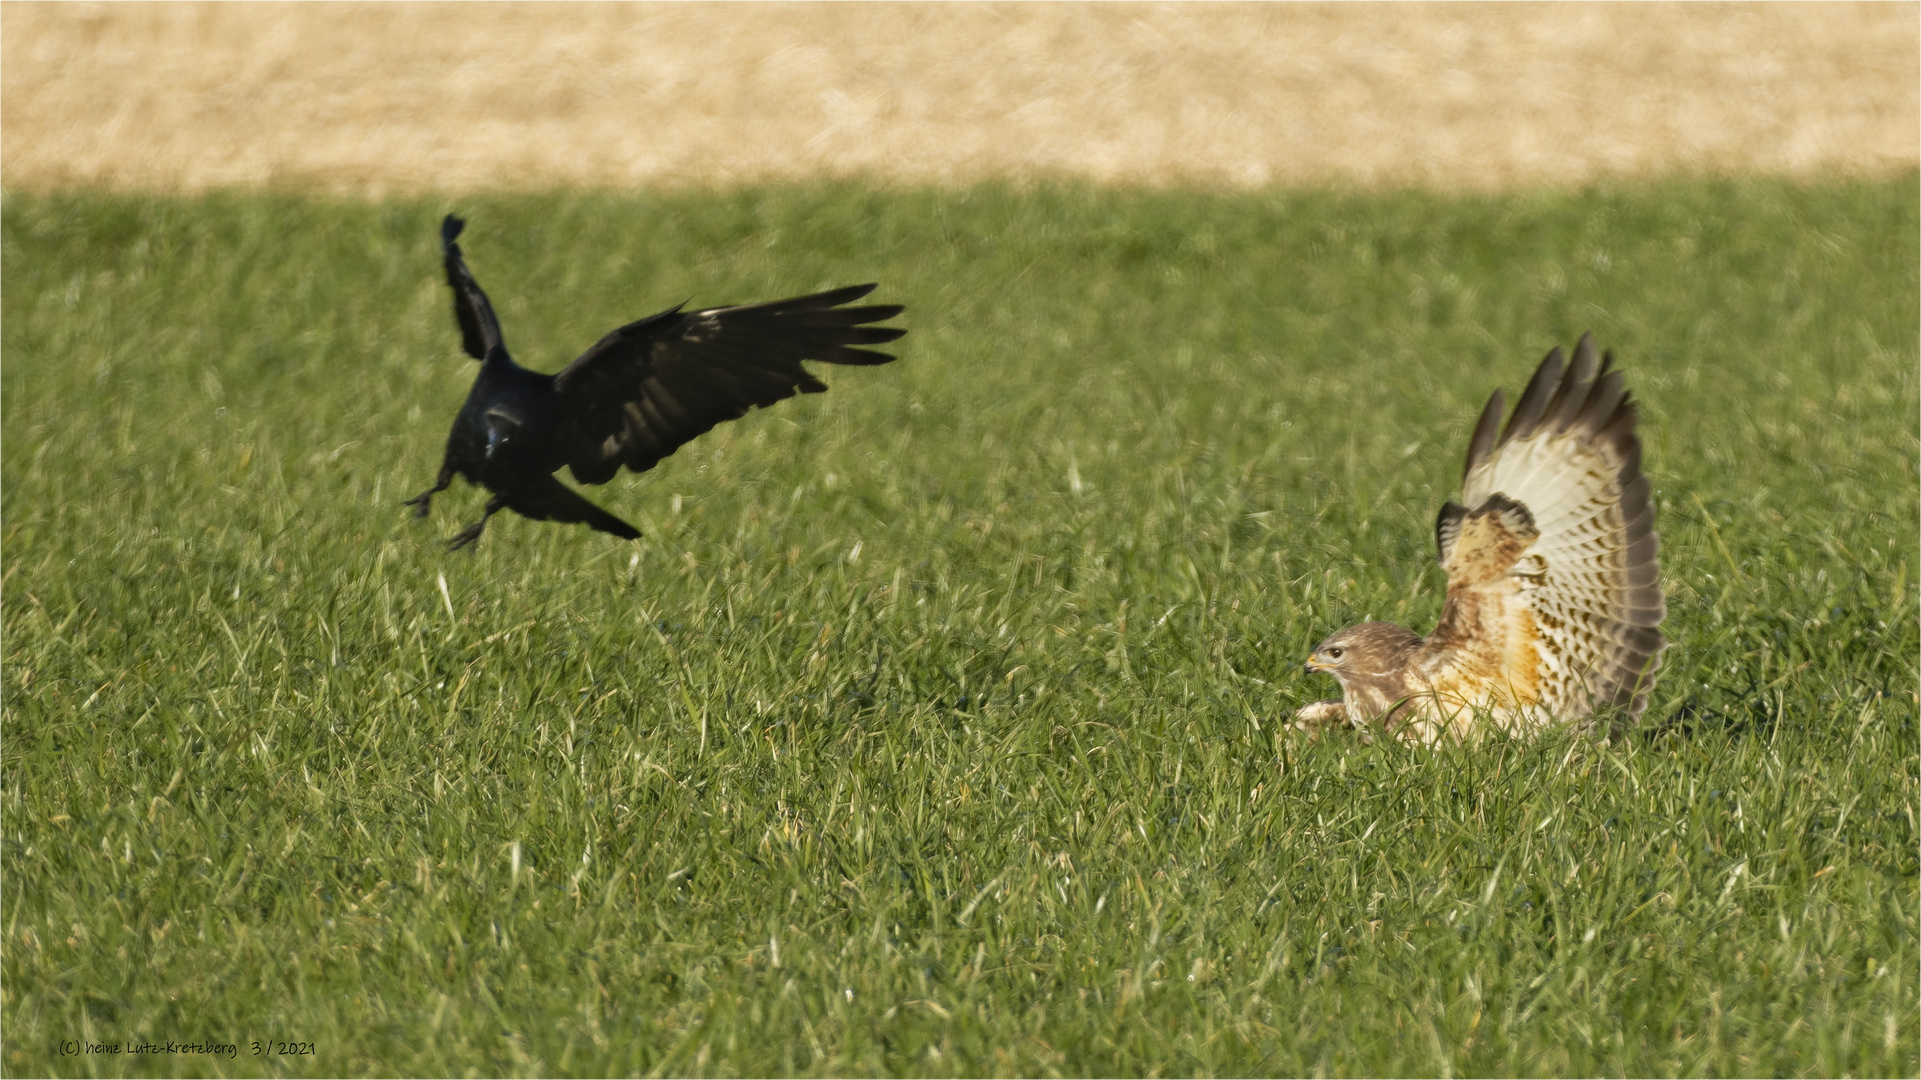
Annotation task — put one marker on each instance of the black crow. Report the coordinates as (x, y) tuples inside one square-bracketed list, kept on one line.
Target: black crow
[(633, 398)]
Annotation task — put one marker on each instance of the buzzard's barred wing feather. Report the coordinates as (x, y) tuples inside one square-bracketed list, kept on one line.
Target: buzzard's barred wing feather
[(1586, 588), (649, 387)]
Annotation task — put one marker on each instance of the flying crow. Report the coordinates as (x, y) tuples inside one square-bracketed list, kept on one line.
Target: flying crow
[(633, 398)]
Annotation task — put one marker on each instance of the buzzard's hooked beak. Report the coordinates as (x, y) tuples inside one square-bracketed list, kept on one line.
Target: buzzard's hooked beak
[(1314, 665), (493, 440)]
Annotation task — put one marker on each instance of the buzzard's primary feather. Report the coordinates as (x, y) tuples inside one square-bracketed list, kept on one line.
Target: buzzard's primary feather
[(1553, 580)]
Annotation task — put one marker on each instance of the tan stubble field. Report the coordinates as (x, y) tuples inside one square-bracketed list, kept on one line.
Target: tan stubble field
[(410, 97)]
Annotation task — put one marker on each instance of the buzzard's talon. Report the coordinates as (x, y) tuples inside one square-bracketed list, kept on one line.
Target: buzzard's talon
[(1312, 719), (1317, 719)]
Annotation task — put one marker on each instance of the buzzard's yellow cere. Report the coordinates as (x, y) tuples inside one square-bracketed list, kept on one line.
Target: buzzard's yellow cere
[(1553, 582)]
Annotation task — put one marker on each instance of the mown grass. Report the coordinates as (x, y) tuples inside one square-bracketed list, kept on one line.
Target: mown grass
[(933, 726)]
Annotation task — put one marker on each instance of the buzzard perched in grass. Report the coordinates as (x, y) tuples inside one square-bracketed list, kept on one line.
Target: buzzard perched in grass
[(635, 397), (1553, 584)]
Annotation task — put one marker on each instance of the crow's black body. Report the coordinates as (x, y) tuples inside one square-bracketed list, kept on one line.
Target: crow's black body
[(635, 397)]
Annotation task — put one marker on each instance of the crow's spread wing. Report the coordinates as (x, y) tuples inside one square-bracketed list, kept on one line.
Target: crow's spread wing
[(479, 330), (650, 386)]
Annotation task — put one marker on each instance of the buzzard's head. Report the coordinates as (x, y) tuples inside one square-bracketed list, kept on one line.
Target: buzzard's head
[(1364, 651), (1370, 660)]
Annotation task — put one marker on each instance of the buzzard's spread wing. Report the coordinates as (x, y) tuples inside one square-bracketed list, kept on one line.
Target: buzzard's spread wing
[(479, 330), (1553, 594), (651, 385)]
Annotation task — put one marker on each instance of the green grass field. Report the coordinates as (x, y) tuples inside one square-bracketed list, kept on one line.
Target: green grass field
[(934, 725)]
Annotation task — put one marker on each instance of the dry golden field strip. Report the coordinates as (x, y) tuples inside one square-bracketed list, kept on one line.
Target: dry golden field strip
[(409, 97)]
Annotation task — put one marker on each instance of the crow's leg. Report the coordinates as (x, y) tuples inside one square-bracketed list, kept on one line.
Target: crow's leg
[(472, 532), (419, 502)]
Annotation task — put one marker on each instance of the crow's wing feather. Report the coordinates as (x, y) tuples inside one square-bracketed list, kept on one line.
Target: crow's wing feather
[(479, 330), (647, 388)]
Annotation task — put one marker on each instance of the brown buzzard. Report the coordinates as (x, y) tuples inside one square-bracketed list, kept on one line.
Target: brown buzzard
[(1553, 585)]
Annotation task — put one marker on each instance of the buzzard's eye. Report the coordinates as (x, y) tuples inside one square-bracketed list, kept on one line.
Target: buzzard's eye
[(1336, 652)]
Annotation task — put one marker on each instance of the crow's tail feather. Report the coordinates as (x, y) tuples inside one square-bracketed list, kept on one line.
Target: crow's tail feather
[(555, 501)]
